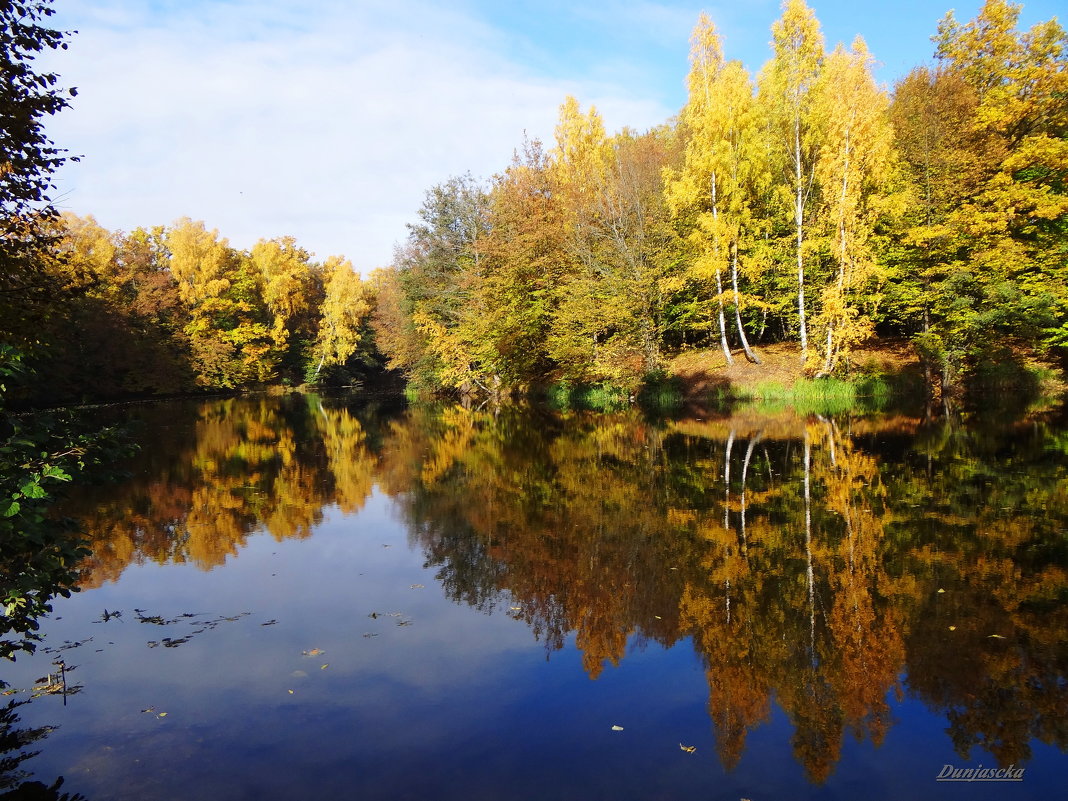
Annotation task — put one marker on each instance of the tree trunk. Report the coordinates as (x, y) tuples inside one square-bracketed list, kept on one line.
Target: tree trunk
[(719, 282), (749, 354), (843, 254), (799, 220)]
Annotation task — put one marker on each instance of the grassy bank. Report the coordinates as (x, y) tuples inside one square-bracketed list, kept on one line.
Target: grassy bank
[(885, 375)]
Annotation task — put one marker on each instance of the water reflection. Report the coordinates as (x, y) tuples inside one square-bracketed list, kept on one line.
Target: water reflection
[(204, 482), (16, 740), (823, 566)]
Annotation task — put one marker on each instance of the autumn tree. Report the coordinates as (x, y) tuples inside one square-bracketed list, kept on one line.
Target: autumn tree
[(787, 91), (642, 249), (229, 333), (580, 171), (438, 269), (711, 190), (583, 311), (343, 315), (146, 287), (852, 169), (291, 288), (1016, 223), (395, 335), (988, 175), (931, 113), (607, 316), (525, 267)]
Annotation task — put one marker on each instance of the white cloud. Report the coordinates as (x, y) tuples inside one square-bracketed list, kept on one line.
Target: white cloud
[(326, 121)]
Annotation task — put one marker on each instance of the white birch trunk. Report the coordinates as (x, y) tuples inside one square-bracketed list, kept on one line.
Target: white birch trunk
[(799, 220), (719, 279), (749, 353)]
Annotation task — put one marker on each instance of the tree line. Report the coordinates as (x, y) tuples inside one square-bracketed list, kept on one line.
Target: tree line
[(175, 308), (806, 203)]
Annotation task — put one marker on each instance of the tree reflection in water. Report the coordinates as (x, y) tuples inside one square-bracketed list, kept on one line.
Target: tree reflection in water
[(14, 745), (825, 563)]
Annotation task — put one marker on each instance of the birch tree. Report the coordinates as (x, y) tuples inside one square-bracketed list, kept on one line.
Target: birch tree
[(787, 90), (851, 169), (696, 191), (740, 156)]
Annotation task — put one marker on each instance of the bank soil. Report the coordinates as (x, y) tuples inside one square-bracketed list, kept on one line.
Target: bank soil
[(704, 371)]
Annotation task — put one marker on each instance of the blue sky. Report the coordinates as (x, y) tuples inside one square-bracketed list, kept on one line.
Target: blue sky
[(327, 120)]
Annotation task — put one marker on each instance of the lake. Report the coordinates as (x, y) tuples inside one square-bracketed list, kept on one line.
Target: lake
[(303, 597)]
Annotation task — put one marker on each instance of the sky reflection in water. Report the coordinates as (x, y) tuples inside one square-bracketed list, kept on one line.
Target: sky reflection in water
[(412, 604)]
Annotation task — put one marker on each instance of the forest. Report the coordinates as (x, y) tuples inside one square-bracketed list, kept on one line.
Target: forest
[(804, 204)]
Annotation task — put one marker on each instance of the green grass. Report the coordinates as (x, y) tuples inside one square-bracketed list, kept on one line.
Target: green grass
[(822, 395), (657, 394), (661, 394), (565, 396)]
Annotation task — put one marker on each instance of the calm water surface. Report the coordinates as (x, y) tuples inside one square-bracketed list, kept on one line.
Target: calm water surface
[(310, 598)]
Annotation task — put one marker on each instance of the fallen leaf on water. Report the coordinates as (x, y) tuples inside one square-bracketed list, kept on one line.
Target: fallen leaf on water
[(658, 617), (996, 636), (689, 749), (940, 590), (162, 715), (290, 692), (952, 628), (617, 728), (516, 608), (324, 667)]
